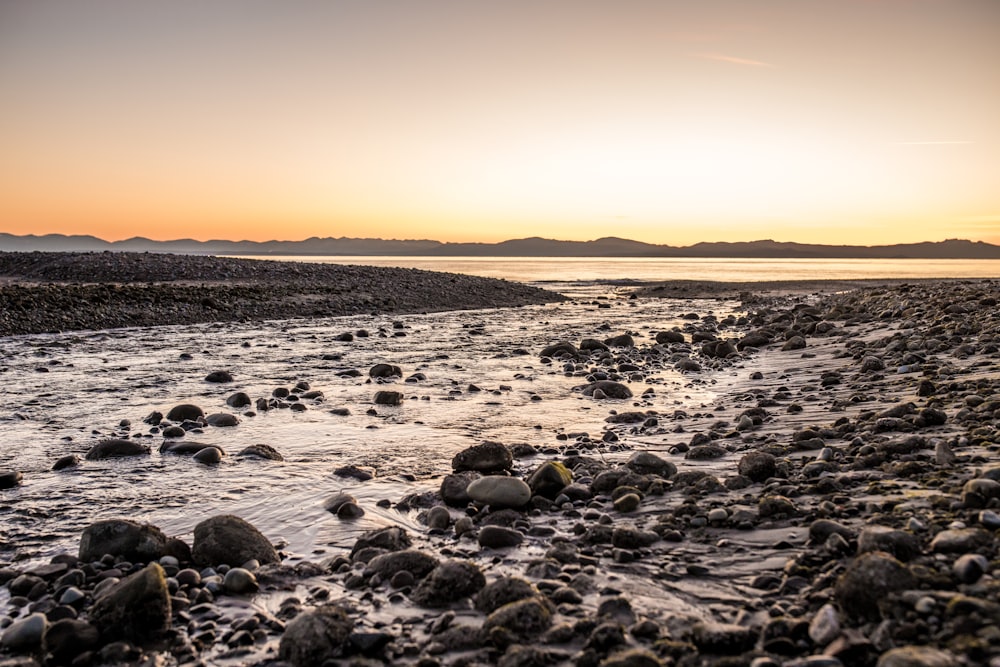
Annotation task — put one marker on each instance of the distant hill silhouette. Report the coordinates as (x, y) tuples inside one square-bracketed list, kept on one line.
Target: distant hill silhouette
[(530, 247)]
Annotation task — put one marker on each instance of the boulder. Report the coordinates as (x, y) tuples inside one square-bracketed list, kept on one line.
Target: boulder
[(868, 580), (383, 371), (261, 451), (116, 448), (129, 540), (647, 463), (185, 412), (525, 619), (219, 377), (497, 491), (315, 637), (137, 609), (607, 389), (388, 398), (454, 488), (549, 479), (487, 457), (449, 582), (757, 466), (231, 540), (417, 563)]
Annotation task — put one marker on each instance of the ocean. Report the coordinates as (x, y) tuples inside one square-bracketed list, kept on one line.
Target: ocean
[(541, 270)]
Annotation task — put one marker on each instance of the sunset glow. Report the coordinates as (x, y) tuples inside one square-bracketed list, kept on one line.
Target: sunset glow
[(855, 122)]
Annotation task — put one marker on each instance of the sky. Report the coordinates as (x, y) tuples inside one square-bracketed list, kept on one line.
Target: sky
[(843, 121)]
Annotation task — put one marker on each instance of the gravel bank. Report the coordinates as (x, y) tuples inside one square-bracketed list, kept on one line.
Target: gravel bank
[(51, 292)]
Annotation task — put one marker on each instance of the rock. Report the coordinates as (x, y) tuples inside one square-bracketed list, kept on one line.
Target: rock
[(633, 657), (621, 340), (607, 389), (524, 619), (209, 456), (438, 518), (231, 540), (549, 479), (794, 343), (630, 537), (969, 568), (186, 448), (917, 656), (825, 625), (69, 637), (960, 540), (485, 458), (355, 472), (449, 582), (901, 544), (115, 448), (868, 580), (383, 371), (417, 563), (135, 542), (10, 478), (137, 609), (648, 463), (453, 488), (665, 337), (25, 634), (978, 492), (338, 500), (628, 502), (388, 398), (722, 638), (499, 492), (757, 466), (261, 451), (503, 591), (705, 452), (821, 529), (391, 538), (560, 349), (185, 412), (239, 400), (68, 461), (240, 581), (499, 537), (315, 637), (219, 377), (222, 420), (592, 345)]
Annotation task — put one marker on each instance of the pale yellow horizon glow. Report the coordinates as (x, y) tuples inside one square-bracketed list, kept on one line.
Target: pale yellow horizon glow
[(669, 122)]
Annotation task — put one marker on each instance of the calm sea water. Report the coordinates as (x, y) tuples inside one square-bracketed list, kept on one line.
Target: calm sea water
[(652, 269)]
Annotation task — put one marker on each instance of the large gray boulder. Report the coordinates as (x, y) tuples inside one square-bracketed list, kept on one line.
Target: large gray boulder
[(135, 542), (231, 540), (136, 610)]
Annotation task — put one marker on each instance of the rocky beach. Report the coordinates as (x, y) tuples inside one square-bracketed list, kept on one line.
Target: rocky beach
[(427, 469)]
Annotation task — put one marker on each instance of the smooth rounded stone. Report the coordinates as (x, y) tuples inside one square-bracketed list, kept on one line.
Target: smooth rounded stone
[(390, 538), (69, 637), (355, 472), (338, 500), (417, 563), (500, 492), (116, 448), (137, 609), (525, 619), (757, 466), (387, 397), (969, 568), (607, 389), (261, 451), (314, 637), (68, 461), (628, 502), (72, 596), (868, 580), (770, 506), (503, 591), (669, 336), (960, 540), (648, 463), (454, 488), (208, 456), (219, 377), (901, 544), (499, 537), (383, 371), (722, 638), (185, 412), (438, 518), (825, 625), (989, 519), (794, 343), (718, 515), (173, 432), (186, 448), (239, 400), (977, 493), (621, 340), (486, 457), (561, 349), (917, 656), (239, 581), (449, 582), (872, 364), (821, 529), (706, 452), (222, 420), (122, 538), (549, 479), (188, 577), (229, 539), (10, 478), (25, 634), (630, 537)]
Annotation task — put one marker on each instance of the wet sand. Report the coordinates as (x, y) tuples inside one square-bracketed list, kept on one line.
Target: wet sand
[(834, 502)]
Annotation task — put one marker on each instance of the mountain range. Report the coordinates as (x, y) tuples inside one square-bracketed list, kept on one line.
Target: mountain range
[(529, 247)]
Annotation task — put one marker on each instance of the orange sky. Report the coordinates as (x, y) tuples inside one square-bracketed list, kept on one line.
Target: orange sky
[(855, 121)]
